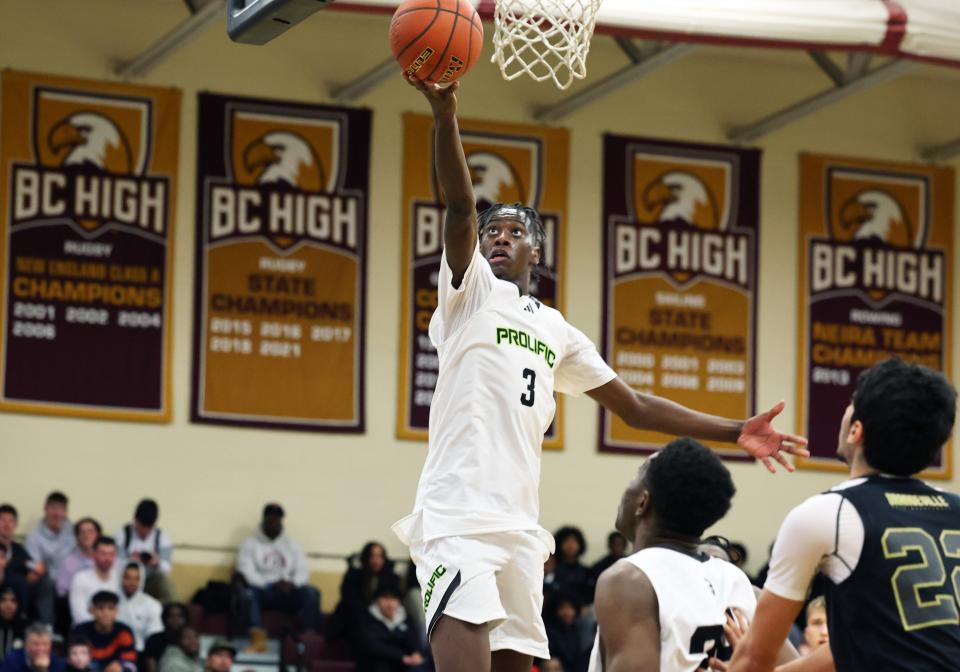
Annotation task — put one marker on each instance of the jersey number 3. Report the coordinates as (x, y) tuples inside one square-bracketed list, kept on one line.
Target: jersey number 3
[(529, 395), (939, 608)]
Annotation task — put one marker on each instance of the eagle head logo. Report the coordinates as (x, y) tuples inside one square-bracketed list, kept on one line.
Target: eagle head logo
[(494, 180), (284, 158), (90, 139), (679, 196), (873, 214)]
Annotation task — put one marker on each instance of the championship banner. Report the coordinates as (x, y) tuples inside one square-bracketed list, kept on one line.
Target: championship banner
[(281, 264), (89, 174), (509, 163), (875, 280), (681, 235)]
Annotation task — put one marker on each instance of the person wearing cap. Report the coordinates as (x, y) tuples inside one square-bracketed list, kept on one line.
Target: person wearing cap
[(390, 639), (272, 572), (112, 644), (220, 657)]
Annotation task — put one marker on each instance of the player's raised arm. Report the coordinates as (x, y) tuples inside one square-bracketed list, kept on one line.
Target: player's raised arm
[(755, 435), (628, 620), (460, 225)]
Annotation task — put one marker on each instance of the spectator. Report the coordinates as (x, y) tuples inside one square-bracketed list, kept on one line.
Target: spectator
[(86, 532), (815, 634), (12, 622), (142, 540), (616, 549), (78, 654), (111, 642), (138, 610), (184, 656), (389, 637), (50, 542), (566, 634), (175, 617), (738, 554), (36, 654), (220, 657), (13, 581), (38, 597), (361, 582), (569, 576), (87, 582), (272, 571)]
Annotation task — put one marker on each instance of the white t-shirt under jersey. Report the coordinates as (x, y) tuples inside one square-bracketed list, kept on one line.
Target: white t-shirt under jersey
[(502, 356), (691, 594)]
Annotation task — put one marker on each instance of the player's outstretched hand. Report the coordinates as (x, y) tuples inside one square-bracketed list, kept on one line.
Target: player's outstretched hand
[(762, 441), (735, 629), (442, 99)]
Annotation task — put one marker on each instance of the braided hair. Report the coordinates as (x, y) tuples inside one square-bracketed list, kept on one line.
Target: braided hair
[(518, 211)]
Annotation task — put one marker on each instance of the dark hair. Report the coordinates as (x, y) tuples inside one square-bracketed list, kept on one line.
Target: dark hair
[(738, 553), (84, 521), (907, 412), (57, 497), (76, 639), (531, 219), (689, 487), (8, 589), (273, 509), (147, 512), (566, 532), (563, 597), (367, 551), (720, 542), (387, 591), (133, 564), (613, 536), (103, 540), (104, 597), (170, 606), (9, 508)]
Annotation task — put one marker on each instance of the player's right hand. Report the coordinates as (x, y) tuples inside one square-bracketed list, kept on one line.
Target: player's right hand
[(442, 99)]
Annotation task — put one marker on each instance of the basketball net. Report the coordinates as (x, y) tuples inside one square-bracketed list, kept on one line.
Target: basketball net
[(545, 39)]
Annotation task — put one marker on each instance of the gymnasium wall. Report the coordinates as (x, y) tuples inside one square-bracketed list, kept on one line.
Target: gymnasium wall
[(340, 491)]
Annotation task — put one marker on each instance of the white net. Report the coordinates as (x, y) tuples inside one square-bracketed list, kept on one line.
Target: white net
[(545, 39)]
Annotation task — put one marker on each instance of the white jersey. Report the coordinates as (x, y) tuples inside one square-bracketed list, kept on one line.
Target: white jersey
[(693, 596), (502, 356)]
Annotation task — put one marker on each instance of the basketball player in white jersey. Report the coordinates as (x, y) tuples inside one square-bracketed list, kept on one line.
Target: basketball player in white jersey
[(474, 532), (664, 607)]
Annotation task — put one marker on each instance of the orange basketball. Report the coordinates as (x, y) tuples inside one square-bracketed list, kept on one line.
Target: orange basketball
[(436, 40)]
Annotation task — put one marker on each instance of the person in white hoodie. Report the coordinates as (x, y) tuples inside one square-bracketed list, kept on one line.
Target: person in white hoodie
[(87, 582), (143, 541), (274, 569), (137, 609)]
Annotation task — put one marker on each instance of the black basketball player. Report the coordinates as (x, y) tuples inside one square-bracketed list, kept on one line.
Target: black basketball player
[(888, 543)]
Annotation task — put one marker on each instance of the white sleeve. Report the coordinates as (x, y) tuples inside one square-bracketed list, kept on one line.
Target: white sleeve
[(301, 568), (742, 596), (247, 564), (79, 598), (824, 533), (456, 305), (582, 368)]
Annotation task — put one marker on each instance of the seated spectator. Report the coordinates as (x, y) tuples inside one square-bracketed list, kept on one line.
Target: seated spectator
[(86, 532), (111, 642), (184, 656), (569, 577), (220, 657), (565, 634), (78, 654), (138, 610), (272, 573), (361, 582), (738, 554), (616, 550), (815, 634), (175, 617), (48, 544), (12, 581), (36, 598), (389, 639), (146, 543), (37, 653), (103, 575), (12, 623)]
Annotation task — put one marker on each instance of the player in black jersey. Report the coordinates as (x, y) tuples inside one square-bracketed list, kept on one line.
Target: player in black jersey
[(888, 543)]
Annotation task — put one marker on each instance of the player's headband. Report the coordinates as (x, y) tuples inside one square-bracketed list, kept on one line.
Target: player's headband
[(509, 212)]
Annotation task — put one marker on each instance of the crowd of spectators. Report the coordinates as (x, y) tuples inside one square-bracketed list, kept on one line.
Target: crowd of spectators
[(111, 605)]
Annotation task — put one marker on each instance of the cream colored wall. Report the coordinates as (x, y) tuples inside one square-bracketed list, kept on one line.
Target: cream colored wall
[(340, 491)]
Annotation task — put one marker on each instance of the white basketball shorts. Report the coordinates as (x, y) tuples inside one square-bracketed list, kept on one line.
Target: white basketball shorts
[(494, 578)]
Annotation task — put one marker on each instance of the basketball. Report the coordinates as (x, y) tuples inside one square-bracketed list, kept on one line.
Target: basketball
[(436, 41)]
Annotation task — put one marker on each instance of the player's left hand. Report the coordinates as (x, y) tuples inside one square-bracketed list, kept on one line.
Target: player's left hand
[(734, 630), (762, 441)]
